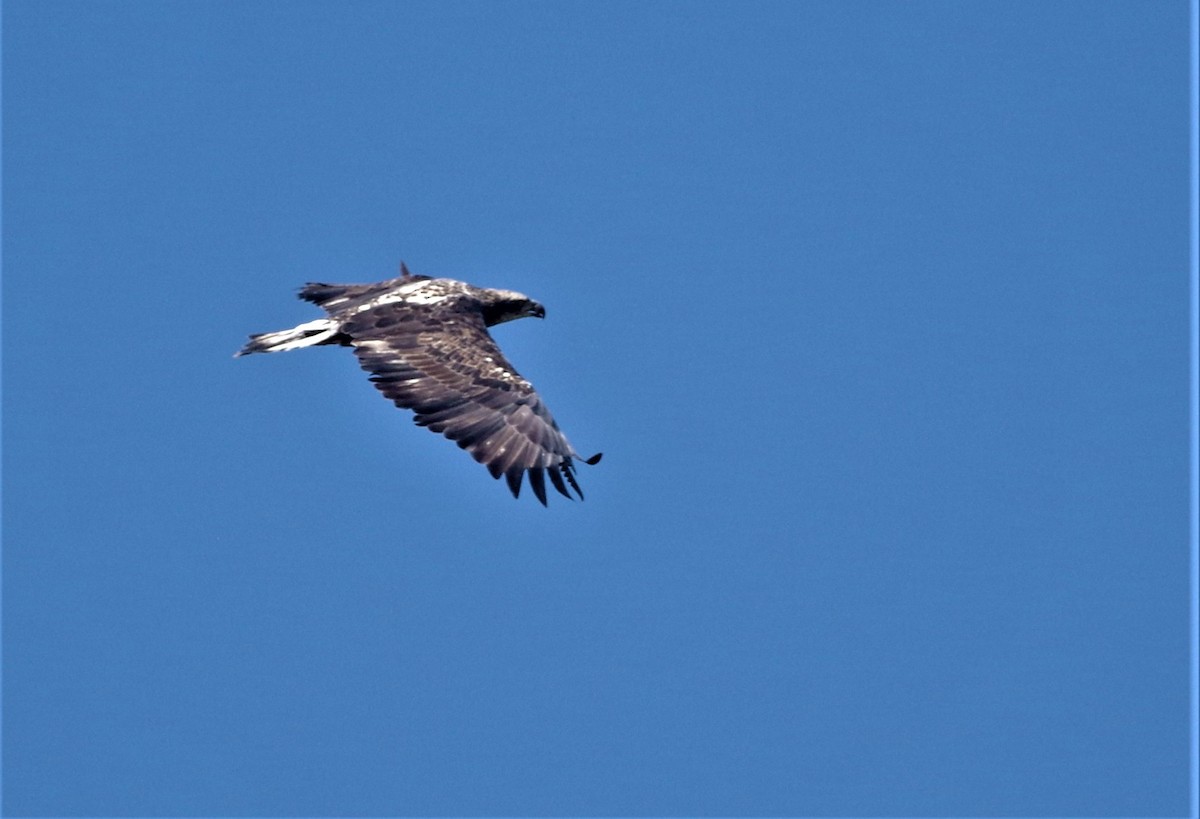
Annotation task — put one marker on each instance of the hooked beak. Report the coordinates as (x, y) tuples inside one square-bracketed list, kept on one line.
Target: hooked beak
[(538, 311)]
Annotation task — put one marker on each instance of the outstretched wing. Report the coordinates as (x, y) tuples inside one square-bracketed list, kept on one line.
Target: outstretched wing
[(345, 298), (444, 366)]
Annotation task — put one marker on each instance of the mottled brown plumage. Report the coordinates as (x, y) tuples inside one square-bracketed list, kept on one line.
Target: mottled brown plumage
[(426, 344)]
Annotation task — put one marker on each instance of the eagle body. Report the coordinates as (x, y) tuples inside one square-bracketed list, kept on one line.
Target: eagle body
[(426, 344)]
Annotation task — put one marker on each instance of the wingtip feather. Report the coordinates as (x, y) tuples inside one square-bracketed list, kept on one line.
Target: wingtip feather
[(537, 481), (513, 477), (556, 479)]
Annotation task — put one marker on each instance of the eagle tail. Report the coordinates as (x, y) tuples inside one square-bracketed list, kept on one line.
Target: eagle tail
[(309, 334)]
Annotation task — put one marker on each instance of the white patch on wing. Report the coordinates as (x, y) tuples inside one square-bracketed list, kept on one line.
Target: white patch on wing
[(423, 292), (421, 297)]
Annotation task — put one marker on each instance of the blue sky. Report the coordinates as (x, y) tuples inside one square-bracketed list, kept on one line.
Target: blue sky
[(877, 310)]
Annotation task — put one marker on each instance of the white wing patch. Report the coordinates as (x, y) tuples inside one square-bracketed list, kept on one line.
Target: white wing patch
[(429, 291)]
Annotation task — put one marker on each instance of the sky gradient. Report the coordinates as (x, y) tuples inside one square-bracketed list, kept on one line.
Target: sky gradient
[(878, 311)]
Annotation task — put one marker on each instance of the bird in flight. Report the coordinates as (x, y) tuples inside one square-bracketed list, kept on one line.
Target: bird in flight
[(426, 344)]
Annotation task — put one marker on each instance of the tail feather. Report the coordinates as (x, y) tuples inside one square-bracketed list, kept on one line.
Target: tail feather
[(309, 334)]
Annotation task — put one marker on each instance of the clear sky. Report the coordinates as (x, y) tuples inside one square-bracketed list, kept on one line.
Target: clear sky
[(877, 310)]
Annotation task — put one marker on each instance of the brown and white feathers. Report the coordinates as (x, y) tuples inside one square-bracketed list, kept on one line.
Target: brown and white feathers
[(426, 344)]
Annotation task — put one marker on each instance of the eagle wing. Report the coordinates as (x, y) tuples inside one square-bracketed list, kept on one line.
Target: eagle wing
[(445, 367)]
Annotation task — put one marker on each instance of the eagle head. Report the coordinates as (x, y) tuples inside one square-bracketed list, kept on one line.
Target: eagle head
[(506, 305)]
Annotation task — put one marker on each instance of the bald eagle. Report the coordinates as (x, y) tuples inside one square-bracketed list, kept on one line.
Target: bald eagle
[(425, 343)]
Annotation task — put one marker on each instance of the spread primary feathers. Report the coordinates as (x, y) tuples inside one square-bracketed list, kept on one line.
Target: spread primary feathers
[(425, 343)]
